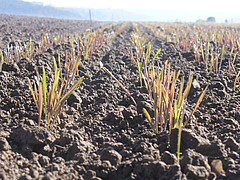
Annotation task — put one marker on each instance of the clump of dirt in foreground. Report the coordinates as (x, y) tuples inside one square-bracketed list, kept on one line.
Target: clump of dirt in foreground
[(102, 134)]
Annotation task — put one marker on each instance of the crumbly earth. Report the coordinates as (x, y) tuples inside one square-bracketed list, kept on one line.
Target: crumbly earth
[(101, 133)]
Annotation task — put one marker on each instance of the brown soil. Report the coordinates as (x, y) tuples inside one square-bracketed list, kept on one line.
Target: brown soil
[(102, 134)]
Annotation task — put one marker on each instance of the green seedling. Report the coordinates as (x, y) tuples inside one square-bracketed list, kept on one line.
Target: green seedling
[(181, 123), (90, 42), (222, 57), (143, 52), (214, 63), (50, 101), (169, 100)]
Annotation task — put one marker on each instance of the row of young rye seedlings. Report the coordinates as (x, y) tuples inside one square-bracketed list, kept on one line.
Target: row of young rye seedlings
[(215, 46), (167, 90), (81, 46)]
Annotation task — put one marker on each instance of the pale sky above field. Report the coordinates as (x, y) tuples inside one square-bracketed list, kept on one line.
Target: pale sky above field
[(186, 10), (224, 6)]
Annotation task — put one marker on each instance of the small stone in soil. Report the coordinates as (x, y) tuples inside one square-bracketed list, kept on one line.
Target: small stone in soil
[(217, 166)]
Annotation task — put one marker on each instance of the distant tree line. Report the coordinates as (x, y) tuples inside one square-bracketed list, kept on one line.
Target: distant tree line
[(209, 19)]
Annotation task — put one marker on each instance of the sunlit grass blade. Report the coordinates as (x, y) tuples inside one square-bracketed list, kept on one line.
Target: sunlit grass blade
[(64, 98), (40, 109), (187, 89), (147, 115), (59, 104), (197, 105), (33, 91), (156, 55), (44, 91)]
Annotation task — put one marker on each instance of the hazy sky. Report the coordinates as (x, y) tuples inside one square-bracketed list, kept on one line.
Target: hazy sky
[(185, 10), (224, 6)]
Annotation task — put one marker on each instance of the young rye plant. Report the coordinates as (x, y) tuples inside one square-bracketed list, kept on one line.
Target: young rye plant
[(168, 96), (167, 92), (90, 42), (51, 97), (169, 100)]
